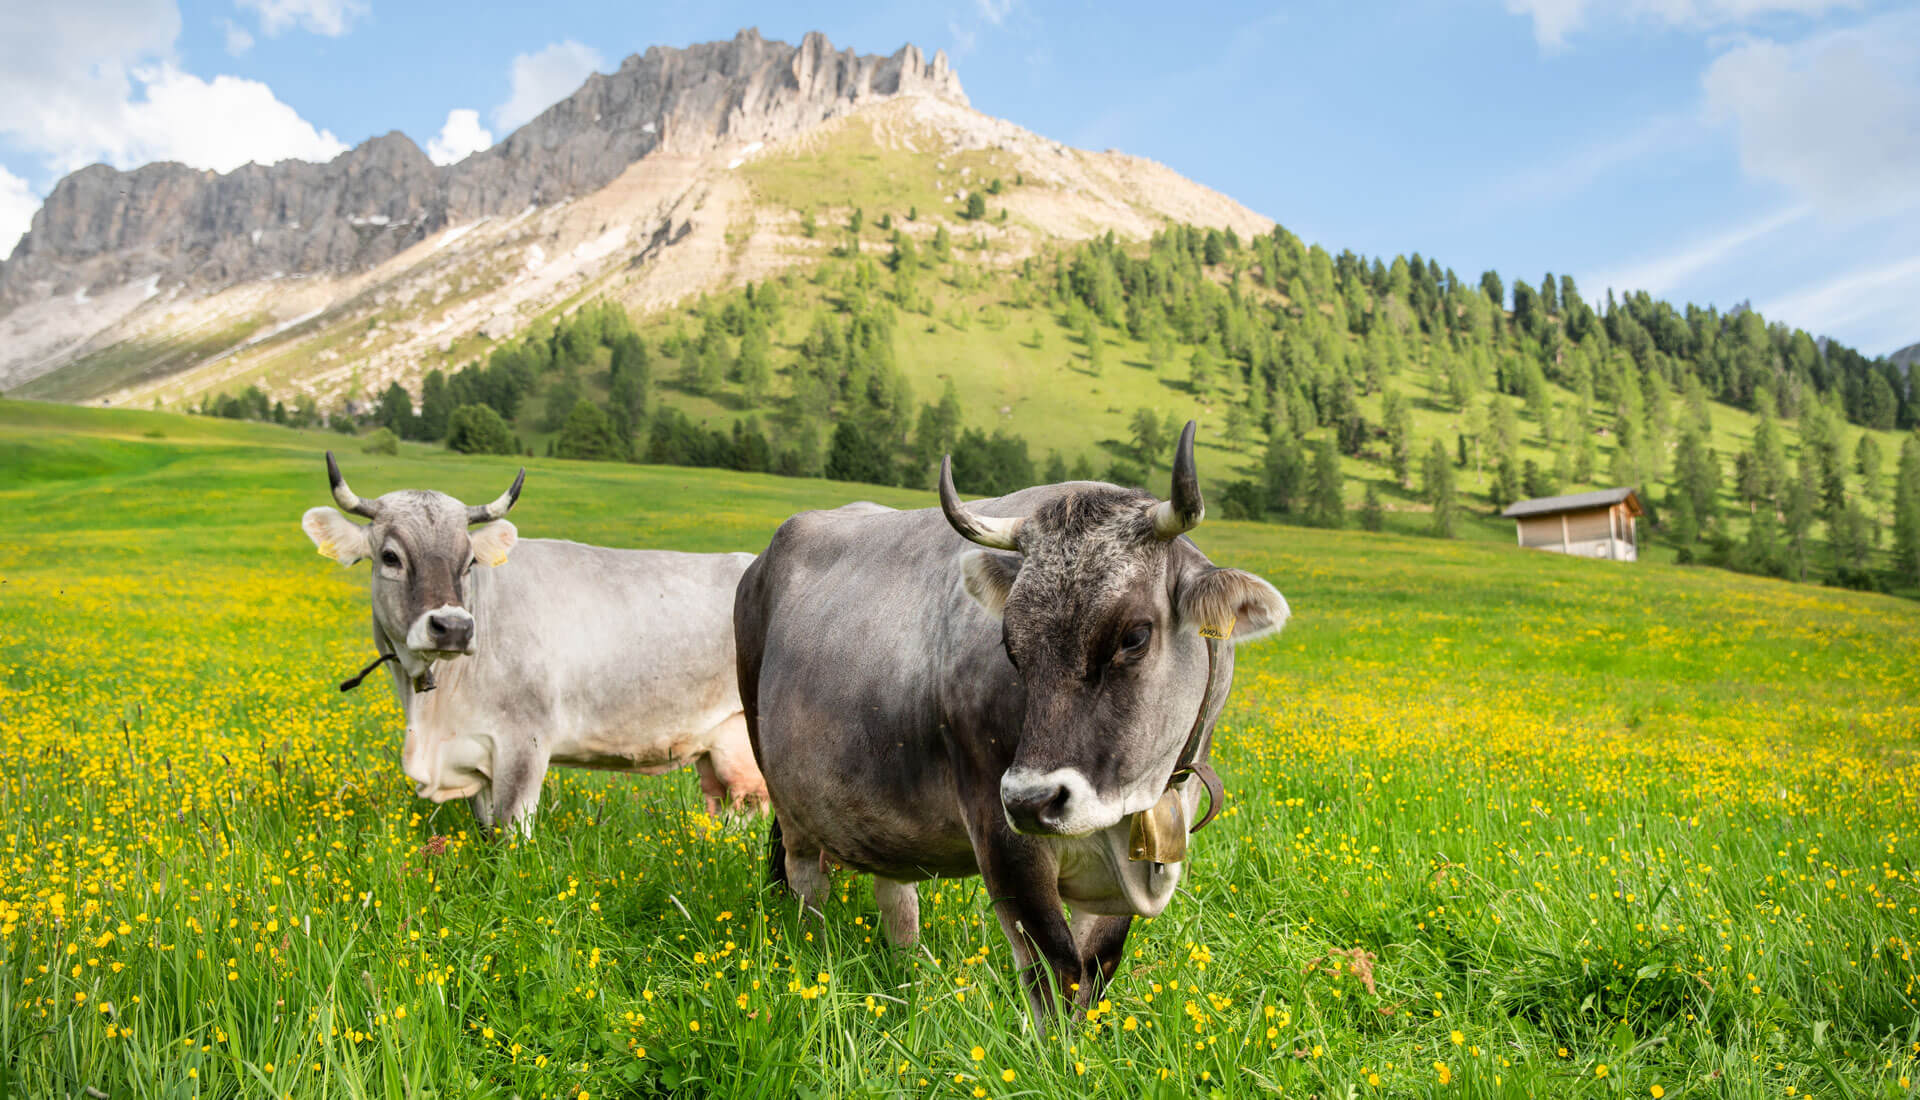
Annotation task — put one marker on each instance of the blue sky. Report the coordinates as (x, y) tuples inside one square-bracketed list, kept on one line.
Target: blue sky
[(1705, 150)]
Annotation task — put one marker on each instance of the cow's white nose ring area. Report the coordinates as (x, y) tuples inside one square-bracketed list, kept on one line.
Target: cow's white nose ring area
[(444, 629), (1055, 803)]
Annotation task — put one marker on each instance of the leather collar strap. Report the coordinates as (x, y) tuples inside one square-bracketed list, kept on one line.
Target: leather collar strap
[(421, 683), (353, 681), (1189, 764)]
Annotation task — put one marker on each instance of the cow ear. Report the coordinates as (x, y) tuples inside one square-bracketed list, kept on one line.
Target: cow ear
[(492, 542), (1231, 603), (989, 577), (336, 536)]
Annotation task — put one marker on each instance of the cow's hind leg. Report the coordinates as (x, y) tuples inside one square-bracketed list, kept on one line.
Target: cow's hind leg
[(899, 904), (1102, 942)]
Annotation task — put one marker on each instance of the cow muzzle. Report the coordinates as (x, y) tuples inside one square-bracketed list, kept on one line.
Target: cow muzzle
[(442, 632), (1060, 802)]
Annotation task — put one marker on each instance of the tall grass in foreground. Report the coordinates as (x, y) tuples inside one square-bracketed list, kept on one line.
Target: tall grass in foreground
[(1498, 824)]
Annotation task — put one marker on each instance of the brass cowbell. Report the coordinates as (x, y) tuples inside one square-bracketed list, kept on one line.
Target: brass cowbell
[(1159, 834)]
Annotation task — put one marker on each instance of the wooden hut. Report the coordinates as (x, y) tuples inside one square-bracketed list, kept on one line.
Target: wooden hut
[(1599, 524)]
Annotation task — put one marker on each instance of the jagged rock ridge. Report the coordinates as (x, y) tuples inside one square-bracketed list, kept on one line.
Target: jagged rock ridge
[(101, 228)]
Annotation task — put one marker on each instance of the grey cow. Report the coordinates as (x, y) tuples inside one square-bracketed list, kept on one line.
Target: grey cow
[(567, 654), (921, 706)]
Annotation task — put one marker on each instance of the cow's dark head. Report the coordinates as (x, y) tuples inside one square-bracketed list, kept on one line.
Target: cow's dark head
[(1101, 604), (423, 555)]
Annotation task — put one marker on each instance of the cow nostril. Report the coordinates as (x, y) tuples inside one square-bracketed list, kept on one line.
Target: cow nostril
[(435, 626), (1054, 811)]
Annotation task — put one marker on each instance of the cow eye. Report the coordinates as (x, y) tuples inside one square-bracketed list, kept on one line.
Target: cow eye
[(1135, 639), (389, 559), (1011, 659)]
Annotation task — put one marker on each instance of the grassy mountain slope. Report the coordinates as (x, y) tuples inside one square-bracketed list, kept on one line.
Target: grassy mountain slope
[(1019, 364), (669, 228)]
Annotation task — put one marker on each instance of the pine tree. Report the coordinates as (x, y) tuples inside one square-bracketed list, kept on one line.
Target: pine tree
[(1200, 372), (1503, 430), (1870, 461), (854, 455), (1437, 488), (478, 430), (1696, 476), (1328, 506), (1148, 439), (1848, 533), (1803, 500), (1286, 474), (395, 412), (1495, 290), (1096, 350), (753, 368), (436, 406), (1239, 426), (1506, 486), (1372, 515), (1160, 350), (1398, 423), (1906, 513), (588, 434)]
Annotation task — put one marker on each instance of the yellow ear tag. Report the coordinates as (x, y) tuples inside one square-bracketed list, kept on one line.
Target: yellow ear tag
[(1208, 630), (326, 548), (494, 559)]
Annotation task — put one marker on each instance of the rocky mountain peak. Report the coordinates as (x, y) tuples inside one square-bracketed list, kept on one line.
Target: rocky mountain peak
[(101, 228)]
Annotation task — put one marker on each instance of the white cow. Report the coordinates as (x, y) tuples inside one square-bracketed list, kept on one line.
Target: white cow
[(565, 654)]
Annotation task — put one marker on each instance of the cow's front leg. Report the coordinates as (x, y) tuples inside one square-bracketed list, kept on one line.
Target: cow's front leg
[(1023, 878), (1102, 942), (481, 803), (519, 770)]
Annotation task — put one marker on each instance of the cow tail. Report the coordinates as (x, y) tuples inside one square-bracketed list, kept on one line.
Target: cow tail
[(776, 856)]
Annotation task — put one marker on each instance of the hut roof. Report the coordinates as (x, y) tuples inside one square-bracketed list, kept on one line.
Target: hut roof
[(1576, 502)]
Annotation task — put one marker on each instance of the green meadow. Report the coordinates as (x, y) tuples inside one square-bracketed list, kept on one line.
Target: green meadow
[(1499, 823)]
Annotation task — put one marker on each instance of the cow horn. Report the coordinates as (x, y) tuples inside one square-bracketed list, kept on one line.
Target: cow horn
[(484, 513), (1175, 517), (998, 532), (344, 497)]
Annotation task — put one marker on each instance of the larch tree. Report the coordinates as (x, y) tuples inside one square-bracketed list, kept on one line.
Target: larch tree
[(1328, 505), (1438, 489)]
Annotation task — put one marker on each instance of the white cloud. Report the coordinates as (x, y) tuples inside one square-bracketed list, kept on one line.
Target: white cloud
[(963, 38), (1554, 20), (1835, 118), (17, 204), (97, 82), (461, 137), (994, 11), (1661, 274), (332, 18), (219, 124), (1875, 304), (1582, 168), (542, 79), (65, 72), (239, 41)]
